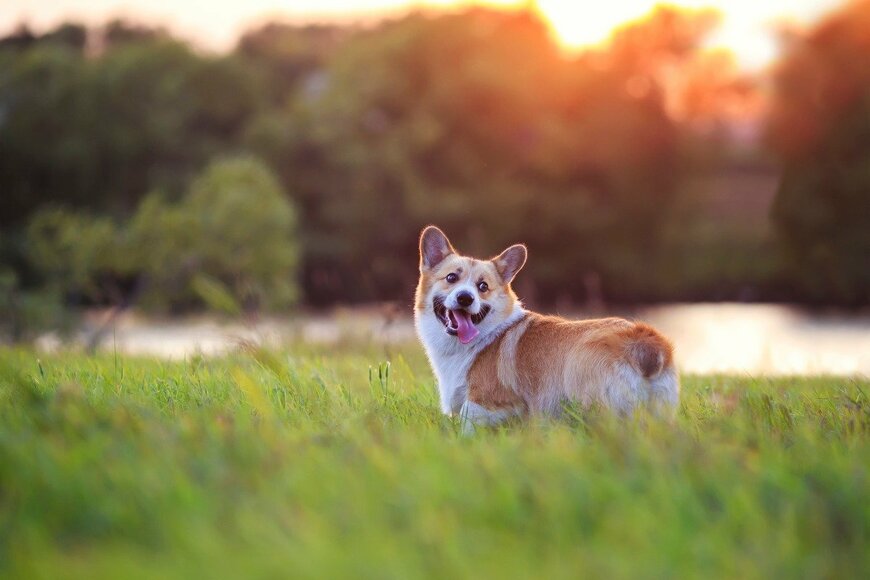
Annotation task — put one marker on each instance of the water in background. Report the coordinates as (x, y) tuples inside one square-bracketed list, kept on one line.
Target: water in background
[(764, 339), (743, 338)]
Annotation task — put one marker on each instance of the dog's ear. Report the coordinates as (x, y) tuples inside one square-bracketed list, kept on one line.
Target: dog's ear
[(434, 247), (511, 261)]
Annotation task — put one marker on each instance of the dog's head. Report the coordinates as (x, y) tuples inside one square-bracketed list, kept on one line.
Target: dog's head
[(466, 296)]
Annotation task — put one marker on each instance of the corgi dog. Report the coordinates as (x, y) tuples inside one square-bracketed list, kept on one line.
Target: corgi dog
[(495, 360)]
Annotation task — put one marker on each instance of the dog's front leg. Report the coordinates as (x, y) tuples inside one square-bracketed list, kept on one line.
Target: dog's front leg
[(471, 415)]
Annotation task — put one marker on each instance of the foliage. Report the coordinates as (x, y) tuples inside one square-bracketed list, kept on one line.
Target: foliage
[(77, 251), (285, 464), (821, 128), (26, 313), (235, 225), (234, 228), (473, 119), (291, 57), (99, 133), (517, 141)]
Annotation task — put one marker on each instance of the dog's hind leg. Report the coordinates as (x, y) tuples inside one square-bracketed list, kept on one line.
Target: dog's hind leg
[(472, 415), (664, 395)]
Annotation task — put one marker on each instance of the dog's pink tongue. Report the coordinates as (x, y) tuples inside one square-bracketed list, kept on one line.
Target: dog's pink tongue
[(464, 327)]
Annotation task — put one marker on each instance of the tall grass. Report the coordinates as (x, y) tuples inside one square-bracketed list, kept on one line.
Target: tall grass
[(337, 463)]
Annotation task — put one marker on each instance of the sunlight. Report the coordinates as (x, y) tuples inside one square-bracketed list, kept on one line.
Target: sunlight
[(745, 27), (578, 25)]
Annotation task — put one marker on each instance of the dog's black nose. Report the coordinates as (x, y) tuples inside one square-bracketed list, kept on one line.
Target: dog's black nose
[(465, 299)]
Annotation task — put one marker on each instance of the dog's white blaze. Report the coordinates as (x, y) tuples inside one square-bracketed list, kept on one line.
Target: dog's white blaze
[(453, 304)]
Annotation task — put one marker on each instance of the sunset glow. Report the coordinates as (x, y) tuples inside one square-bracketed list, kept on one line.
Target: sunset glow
[(578, 25), (746, 28)]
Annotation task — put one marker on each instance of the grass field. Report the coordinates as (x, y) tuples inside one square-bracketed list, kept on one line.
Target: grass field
[(326, 463)]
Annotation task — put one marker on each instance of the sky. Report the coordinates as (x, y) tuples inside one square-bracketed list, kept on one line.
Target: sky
[(747, 27)]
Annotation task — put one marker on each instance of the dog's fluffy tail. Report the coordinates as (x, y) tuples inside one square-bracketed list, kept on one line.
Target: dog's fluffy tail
[(648, 351)]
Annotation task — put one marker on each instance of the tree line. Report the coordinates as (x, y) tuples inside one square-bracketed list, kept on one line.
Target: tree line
[(349, 140)]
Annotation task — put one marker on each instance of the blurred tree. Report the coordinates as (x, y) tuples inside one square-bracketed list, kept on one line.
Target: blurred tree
[(711, 94), (26, 313), (78, 253), (820, 127), (42, 137), (234, 229), (478, 122), (653, 45), (21, 37), (118, 32), (292, 57), (475, 120), (68, 34), (100, 132), (235, 226)]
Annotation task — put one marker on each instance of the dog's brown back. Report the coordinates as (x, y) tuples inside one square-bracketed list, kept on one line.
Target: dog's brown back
[(543, 360)]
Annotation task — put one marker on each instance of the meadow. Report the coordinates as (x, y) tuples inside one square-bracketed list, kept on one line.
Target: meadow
[(336, 462)]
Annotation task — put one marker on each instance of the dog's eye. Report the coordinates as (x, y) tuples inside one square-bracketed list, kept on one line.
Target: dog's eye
[(452, 278), (482, 286)]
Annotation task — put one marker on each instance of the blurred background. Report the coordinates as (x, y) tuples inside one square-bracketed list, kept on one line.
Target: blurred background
[(275, 158)]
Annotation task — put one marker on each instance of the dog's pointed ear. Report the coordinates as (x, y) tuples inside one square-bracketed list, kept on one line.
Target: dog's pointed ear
[(434, 247), (511, 261)]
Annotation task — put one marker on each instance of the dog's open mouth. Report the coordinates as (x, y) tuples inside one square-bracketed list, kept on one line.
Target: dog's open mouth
[(459, 322)]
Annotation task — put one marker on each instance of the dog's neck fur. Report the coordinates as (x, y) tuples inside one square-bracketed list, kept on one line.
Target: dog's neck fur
[(451, 360)]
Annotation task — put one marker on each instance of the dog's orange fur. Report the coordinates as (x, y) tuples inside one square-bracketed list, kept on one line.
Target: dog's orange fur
[(552, 351)]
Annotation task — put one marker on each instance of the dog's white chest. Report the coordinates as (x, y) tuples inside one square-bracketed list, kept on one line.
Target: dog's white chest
[(452, 374), (451, 360)]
